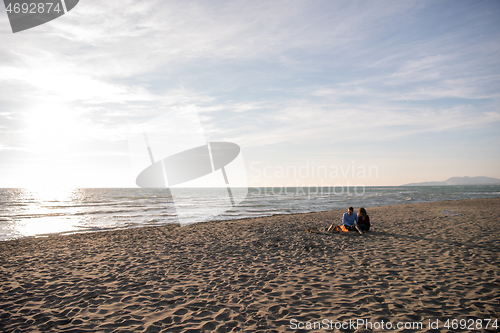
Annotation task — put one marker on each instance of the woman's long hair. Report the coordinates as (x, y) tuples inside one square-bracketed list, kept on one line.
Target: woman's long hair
[(362, 212)]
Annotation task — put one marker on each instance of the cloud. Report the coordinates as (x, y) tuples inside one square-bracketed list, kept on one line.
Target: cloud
[(259, 73)]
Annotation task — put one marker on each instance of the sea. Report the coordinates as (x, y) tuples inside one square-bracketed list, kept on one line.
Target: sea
[(42, 212)]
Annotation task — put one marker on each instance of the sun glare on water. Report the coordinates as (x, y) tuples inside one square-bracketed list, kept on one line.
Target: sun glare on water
[(46, 206)]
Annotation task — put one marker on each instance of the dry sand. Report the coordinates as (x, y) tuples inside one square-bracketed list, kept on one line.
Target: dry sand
[(256, 275)]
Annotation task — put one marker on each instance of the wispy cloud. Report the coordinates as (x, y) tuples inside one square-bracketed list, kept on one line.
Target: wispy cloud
[(259, 72)]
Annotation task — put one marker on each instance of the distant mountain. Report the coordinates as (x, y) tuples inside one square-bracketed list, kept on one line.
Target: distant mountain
[(460, 181)]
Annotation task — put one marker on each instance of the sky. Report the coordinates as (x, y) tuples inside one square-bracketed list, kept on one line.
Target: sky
[(316, 93)]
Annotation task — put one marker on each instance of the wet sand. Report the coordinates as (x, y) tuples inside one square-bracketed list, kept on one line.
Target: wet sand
[(427, 261)]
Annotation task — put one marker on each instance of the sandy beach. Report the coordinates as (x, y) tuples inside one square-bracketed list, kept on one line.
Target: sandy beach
[(422, 263)]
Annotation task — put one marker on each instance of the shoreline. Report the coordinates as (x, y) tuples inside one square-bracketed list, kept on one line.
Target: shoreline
[(111, 229), (259, 274)]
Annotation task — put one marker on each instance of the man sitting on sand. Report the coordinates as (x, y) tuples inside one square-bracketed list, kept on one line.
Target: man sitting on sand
[(350, 219)]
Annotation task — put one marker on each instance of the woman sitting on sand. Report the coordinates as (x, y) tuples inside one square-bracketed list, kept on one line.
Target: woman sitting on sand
[(363, 220)]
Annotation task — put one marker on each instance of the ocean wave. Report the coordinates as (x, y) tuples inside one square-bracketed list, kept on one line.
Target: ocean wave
[(125, 216), (97, 228), (106, 210), (30, 216), (81, 205), (482, 193), (261, 210), (99, 212), (116, 211)]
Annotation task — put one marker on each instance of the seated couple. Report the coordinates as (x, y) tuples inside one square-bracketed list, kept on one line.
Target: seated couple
[(352, 221)]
